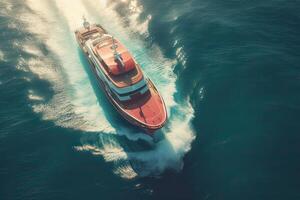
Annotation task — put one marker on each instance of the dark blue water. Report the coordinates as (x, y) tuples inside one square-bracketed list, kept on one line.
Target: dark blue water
[(229, 73)]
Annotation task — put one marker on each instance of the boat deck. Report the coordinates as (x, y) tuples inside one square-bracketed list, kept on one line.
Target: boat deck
[(102, 49), (125, 76)]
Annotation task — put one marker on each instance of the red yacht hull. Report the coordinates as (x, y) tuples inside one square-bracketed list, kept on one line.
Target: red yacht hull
[(149, 114)]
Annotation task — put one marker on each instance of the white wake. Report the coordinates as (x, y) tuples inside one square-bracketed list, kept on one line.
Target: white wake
[(75, 103)]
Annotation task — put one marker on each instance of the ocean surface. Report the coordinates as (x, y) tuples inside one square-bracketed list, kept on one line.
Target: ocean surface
[(229, 72)]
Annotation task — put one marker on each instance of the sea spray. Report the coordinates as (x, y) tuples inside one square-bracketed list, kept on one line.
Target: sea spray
[(55, 25)]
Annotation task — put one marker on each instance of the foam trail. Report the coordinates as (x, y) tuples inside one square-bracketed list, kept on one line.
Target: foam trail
[(71, 84), (167, 153), (76, 95)]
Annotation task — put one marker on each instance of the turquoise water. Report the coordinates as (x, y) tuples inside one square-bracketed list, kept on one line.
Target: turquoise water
[(229, 74)]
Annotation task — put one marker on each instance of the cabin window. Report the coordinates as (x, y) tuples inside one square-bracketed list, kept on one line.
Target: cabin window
[(144, 87)]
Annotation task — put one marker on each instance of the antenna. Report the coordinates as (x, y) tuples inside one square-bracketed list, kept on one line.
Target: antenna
[(116, 54), (114, 46), (86, 24)]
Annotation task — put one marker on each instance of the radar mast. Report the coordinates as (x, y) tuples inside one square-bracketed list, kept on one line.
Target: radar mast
[(116, 53), (86, 24)]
